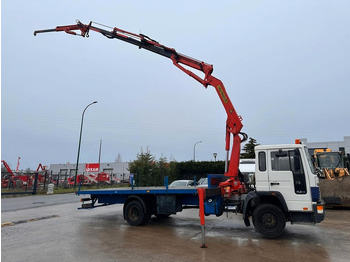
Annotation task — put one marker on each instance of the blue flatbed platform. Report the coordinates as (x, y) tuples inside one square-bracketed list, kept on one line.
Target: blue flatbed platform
[(139, 190), (184, 196)]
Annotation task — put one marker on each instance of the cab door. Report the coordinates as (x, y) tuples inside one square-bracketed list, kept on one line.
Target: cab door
[(287, 176)]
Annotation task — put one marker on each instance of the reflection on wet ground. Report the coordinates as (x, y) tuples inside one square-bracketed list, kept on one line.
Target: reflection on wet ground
[(101, 234), (178, 239)]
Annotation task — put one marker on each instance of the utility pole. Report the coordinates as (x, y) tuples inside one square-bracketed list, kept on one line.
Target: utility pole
[(99, 156), (194, 150), (81, 131)]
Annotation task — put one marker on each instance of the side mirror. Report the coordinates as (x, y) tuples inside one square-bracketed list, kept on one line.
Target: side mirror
[(318, 172)]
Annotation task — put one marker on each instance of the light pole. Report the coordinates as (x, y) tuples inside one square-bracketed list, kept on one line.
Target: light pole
[(81, 131), (194, 150)]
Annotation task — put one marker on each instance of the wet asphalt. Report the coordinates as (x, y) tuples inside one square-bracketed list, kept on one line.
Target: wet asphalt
[(51, 228)]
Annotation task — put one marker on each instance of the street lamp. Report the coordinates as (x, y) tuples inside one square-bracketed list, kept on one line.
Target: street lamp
[(81, 131), (194, 150)]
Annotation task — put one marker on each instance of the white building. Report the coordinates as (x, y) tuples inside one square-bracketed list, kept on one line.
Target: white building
[(116, 169), (342, 146)]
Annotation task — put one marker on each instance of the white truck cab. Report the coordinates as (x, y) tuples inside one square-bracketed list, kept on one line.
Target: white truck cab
[(286, 188), (287, 169)]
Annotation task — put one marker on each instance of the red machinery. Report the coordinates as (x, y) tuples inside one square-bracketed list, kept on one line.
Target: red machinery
[(12, 179), (7, 168), (5, 180), (21, 180), (17, 167), (40, 166), (80, 179), (91, 179), (41, 177), (233, 123)]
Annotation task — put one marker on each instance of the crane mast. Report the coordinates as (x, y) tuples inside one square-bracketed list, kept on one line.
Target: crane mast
[(17, 167), (233, 122)]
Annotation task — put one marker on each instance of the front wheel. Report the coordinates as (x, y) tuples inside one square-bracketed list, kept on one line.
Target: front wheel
[(269, 220)]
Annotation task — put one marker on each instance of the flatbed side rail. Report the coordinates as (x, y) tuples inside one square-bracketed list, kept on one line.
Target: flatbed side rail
[(136, 191)]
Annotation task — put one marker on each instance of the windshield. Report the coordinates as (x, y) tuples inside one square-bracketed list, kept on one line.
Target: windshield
[(203, 181), (181, 183), (308, 157), (329, 160)]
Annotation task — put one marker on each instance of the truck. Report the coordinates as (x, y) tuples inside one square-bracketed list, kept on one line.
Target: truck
[(332, 168), (285, 187)]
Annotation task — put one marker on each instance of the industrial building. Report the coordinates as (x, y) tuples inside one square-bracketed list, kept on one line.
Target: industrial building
[(342, 146), (117, 170)]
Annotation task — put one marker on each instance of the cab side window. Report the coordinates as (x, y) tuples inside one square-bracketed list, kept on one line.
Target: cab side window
[(280, 161), (290, 161), (262, 161)]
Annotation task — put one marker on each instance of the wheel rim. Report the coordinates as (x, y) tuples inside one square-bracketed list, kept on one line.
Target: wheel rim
[(134, 213), (268, 220)]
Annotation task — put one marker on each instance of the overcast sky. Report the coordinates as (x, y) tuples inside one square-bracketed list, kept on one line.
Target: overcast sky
[(285, 65)]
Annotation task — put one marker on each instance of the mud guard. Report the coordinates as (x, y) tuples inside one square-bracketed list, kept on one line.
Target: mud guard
[(257, 195)]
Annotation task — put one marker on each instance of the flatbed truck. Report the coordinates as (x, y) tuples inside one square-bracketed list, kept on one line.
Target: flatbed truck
[(285, 187)]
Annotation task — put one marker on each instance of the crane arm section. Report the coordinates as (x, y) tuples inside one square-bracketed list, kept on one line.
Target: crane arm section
[(233, 123), (142, 41), (7, 168)]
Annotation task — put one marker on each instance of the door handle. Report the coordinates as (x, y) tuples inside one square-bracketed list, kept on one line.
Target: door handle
[(274, 184)]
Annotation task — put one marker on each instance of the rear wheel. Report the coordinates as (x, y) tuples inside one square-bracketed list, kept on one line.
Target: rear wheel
[(134, 213), (269, 220)]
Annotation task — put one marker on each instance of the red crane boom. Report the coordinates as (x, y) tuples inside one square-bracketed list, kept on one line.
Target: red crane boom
[(8, 168), (233, 123)]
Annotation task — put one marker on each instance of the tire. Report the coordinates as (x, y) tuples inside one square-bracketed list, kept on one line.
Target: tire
[(147, 216), (269, 220), (134, 213)]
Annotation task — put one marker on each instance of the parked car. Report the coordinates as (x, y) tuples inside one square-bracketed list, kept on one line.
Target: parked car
[(215, 180), (182, 183), (203, 182)]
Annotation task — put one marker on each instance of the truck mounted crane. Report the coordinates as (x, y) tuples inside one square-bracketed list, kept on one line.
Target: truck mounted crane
[(284, 187), (233, 123)]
